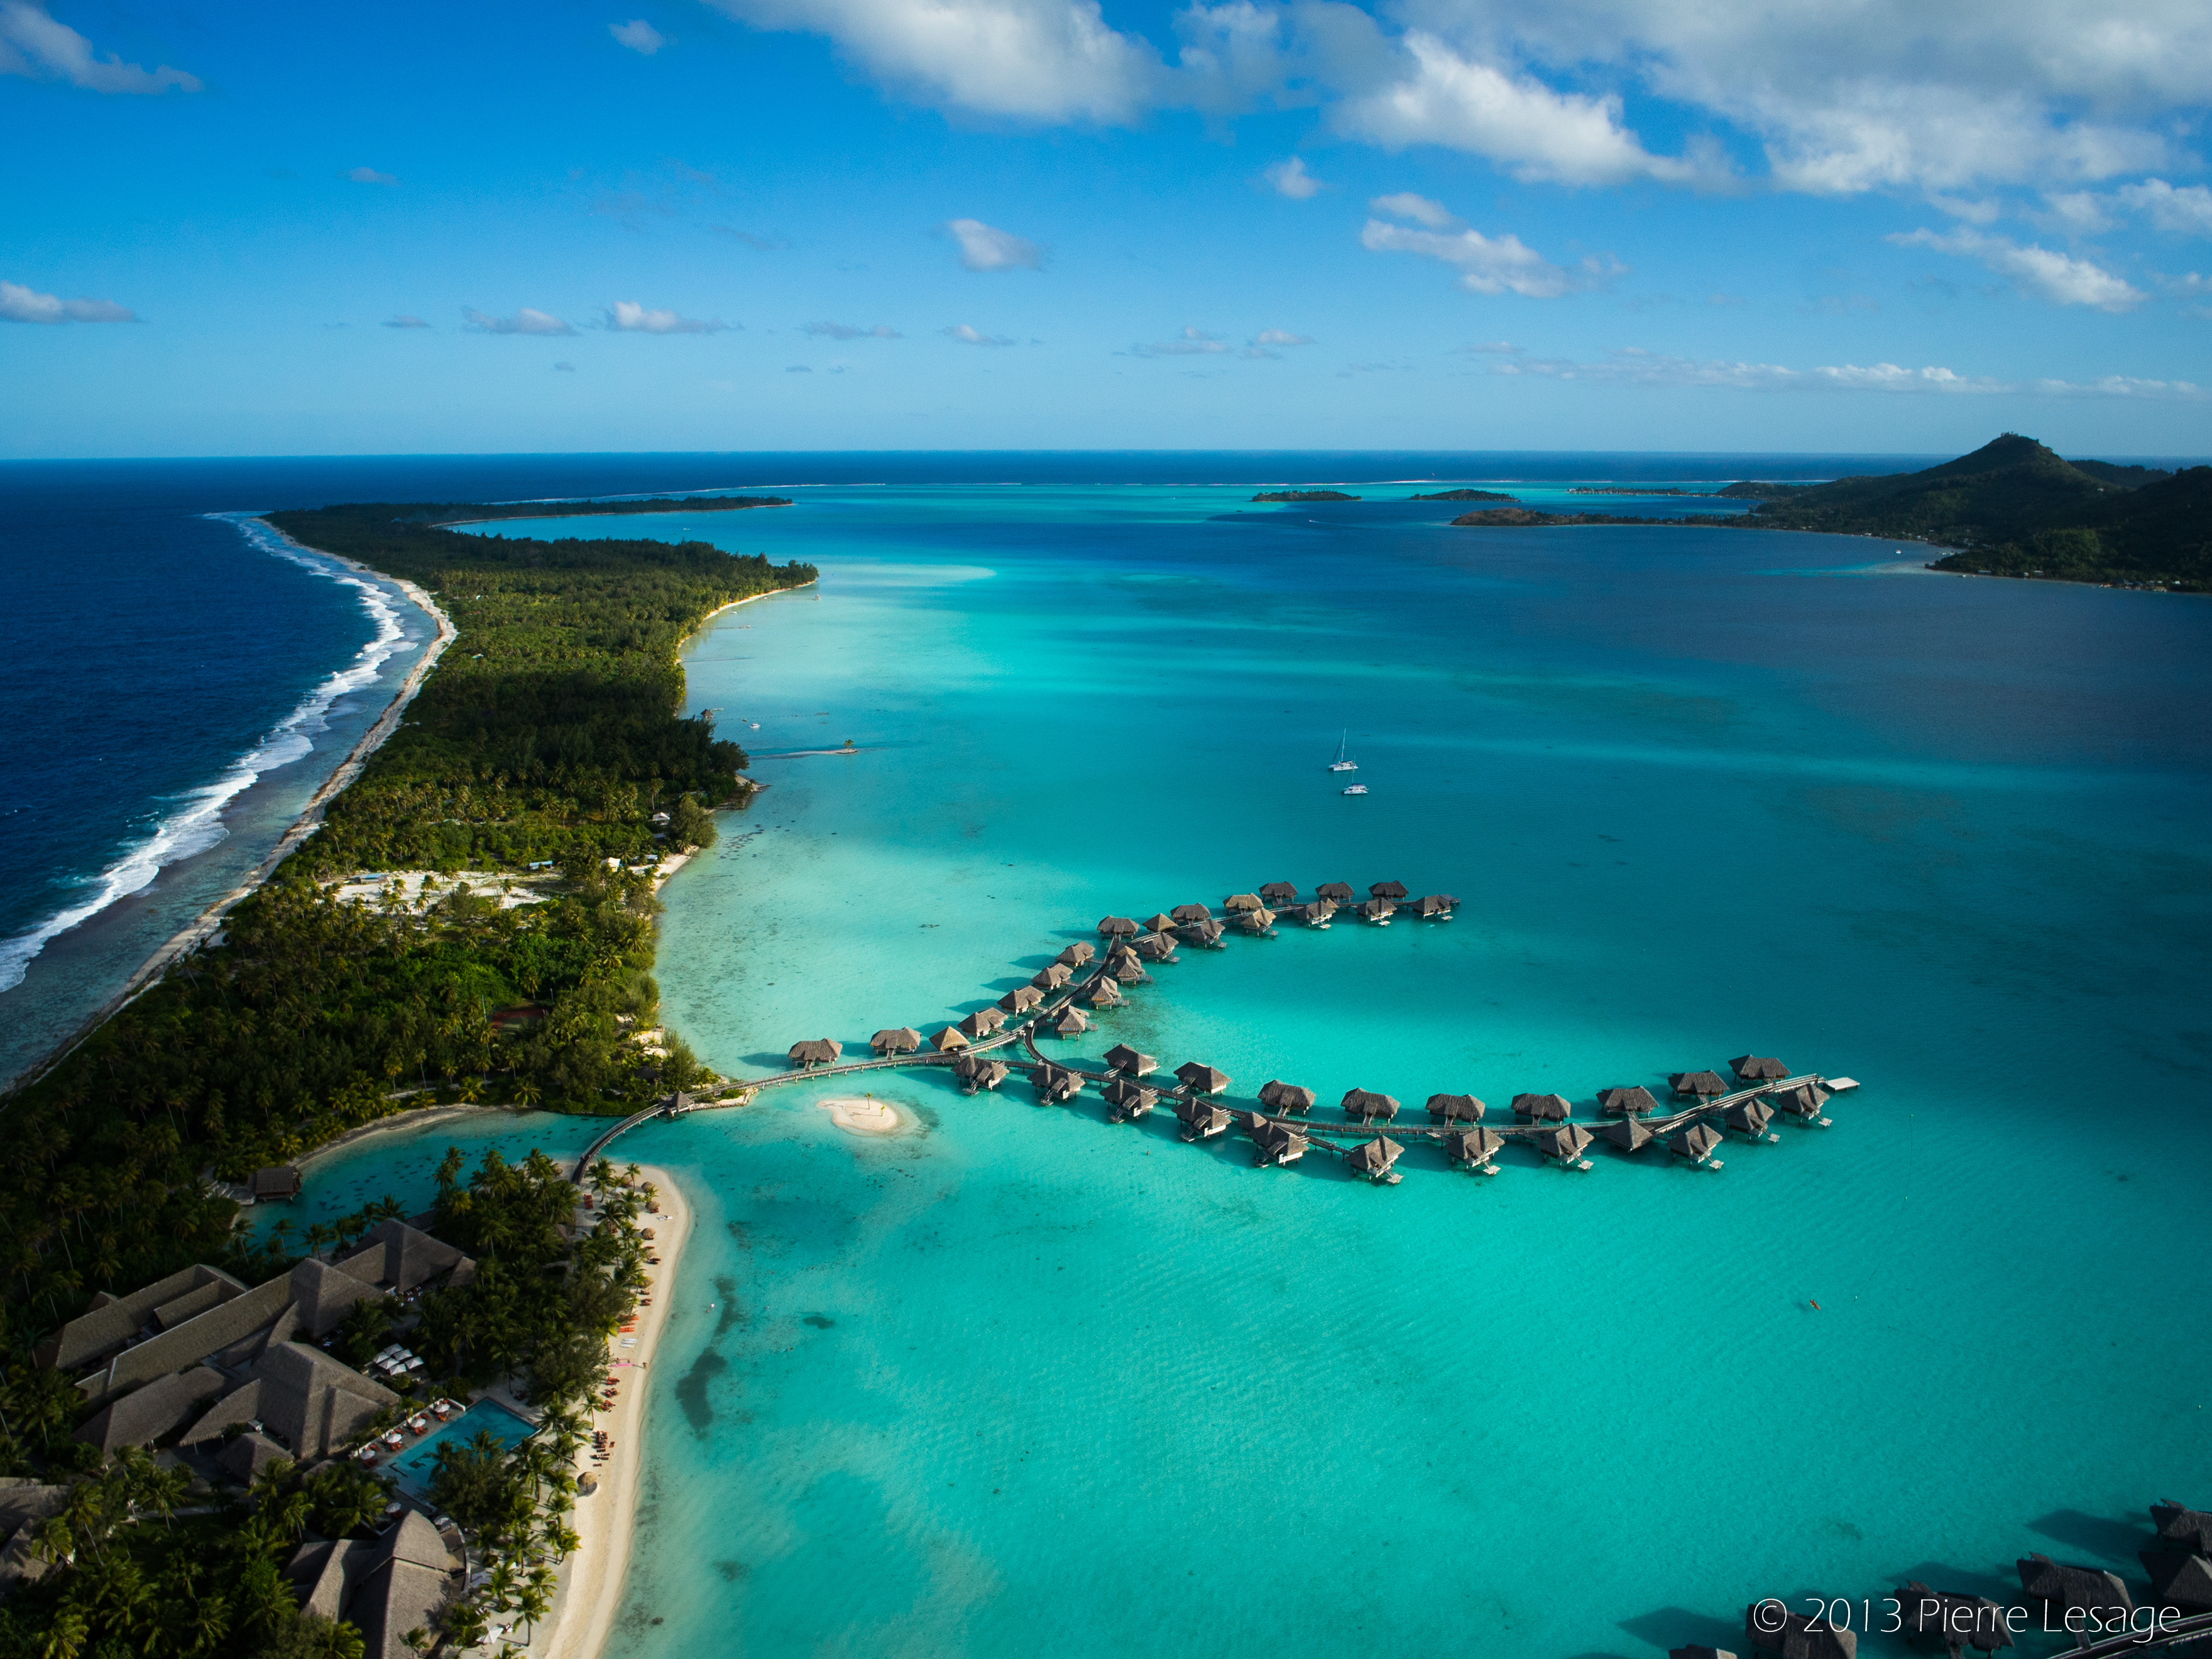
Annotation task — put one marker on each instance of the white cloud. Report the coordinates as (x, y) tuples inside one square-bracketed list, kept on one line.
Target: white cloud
[(524, 321), (1487, 265), (1492, 348), (1291, 179), (1419, 209), (1974, 212), (985, 247), (628, 316), (367, 176), (33, 43), (2187, 211), (403, 320), (639, 36), (2059, 277), (19, 304), (1532, 131), (2074, 212), (850, 331), (1191, 343), (1632, 366), (1050, 60), (969, 334), (1276, 337)]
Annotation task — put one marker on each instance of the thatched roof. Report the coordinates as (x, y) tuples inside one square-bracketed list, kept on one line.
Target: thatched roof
[(278, 1180), (1693, 1083), (1431, 905), (1128, 1096), (1056, 1083), (1389, 889), (1315, 914), (1104, 994), (1279, 893), (982, 1021), (2178, 1578), (1338, 892), (2073, 1589), (949, 1040), (1201, 1078), (1473, 1145), (1159, 921), (1111, 926), (1768, 1627), (1452, 1108), (1569, 1141), (1129, 970), (1280, 1143), (1366, 1105), (1070, 1022), (1021, 999), (1378, 909), (1752, 1116), (815, 1051), (1076, 955), (1201, 932), (1255, 921), (1629, 1134), (1154, 947), (1806, 1100), (1630, 1100), (1699, 1140), (980, 1071), (1191, 913), (1122, 1058), (1954, 1618), (1374, 1157), (1543, 1108), (1236, 901), (967, 1065), (1280, 1097), (1053, 976), (2190, 1529), (898, 1040), (1758, 1068)]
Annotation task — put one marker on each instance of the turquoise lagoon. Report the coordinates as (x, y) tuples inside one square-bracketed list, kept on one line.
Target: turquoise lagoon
[(1019, 1382)]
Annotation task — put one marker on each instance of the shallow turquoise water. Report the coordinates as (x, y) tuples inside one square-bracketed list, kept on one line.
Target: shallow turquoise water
[(1022, 1381)]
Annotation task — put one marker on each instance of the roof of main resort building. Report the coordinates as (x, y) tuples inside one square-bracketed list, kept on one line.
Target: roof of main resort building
[(400, 1258), (896, 1040), (151, 1412), (113, 1320)]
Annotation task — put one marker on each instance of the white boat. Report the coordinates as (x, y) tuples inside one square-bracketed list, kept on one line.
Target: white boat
[(1356, 789), (1344, 762)]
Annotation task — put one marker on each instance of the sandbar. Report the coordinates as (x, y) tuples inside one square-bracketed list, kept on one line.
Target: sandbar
[(868, 1117)]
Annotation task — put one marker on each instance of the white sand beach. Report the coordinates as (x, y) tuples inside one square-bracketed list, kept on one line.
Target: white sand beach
[(869, 1116)]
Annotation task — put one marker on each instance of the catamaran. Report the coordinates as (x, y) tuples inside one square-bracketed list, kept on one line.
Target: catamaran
[(1344, 762), (1356, 789)]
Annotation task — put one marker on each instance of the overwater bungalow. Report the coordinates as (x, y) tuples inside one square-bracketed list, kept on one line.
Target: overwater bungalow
[(1758, 1068), (2083, 1591), (1379, 910), (1125, 1100), (2182, 1528), (815, 1051), (1543, 1108), (1565, 1144), (1070, 1021), (1365, 1105), (1125, 966), (1629, 1134), (1053, 976), (1697, 1143), (1455, 1108), (1159, 923), (1631, 1100), (1077, 955), (1279, 893), (979, 1072), (948, 1041), (1104, 994), (2178, 1578), (1021, 1000), (1236, 901), (1695, 1085), (1202, 1121), (1201, 1079), (1277, 1144), (1806, 1101), (1958, 1621), (1190, 912), (1153, 947), (1126, 1060), (982, 1022), (1770, 1627), (1373, 1159), (1116, 926), (1431, 908), (1473, 1149), (1256, 922), (1055, 1083), (1317, 914), (1749, 1117), (1388, 890), (1285, 1097), (1206, 934), (899, 1039), (1337, 892)]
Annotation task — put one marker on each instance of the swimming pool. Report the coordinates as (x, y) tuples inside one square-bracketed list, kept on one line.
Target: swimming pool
[(412, 1468)]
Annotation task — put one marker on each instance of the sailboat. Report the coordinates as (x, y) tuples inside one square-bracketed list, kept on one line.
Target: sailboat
[(1344, 762)]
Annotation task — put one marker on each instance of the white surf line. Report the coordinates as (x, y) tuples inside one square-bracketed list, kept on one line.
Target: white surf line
[(362, 673)]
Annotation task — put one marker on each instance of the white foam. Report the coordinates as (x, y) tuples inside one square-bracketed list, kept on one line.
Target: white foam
[(193, 821)]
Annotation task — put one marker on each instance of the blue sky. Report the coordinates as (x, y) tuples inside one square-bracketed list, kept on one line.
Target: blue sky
[(773, 224)]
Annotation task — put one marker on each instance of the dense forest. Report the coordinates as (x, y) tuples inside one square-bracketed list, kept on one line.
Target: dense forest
[(548, 731)]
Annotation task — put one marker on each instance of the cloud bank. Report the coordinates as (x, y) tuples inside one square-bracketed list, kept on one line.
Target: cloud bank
[(1633, 367), (1486, 264), (2059, 277), (639, 36), (19, 304), (31, 43), (524, 321), (628, 316), (985, 248), (969, 334)]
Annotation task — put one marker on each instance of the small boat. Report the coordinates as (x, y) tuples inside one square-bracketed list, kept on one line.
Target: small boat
[(1344, 762), (1356, 789)]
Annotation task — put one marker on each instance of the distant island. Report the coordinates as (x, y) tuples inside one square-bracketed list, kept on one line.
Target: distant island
[(1519, 518), (1303, 496), (2014, 508), (1463, 496), (483, 512), (1622, 490)]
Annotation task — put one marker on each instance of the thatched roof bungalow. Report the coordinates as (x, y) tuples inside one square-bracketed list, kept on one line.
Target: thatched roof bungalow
[(1279, 893), (1104, 994), (1769, 1628), (1055, 1083), (1628, 1133), (1236, 901), (1124, 1059), (983, 1073), (982, 1022), (1758, 1068), (1070, 1021), (1471, 1148), (1077, 955), (948, 1041), (1200, 1078), (1567, 1144), (1316, 914), (1365, 1105), (1116, 926), (1455, 1108), (1431, 907), (279, 1183), (1207, 933), (1190, 912), (1021, 1000), (1202, 1121), (1125, 967), (1053, 976), (1277, 1144), (898, 1040), (1957, 1620), (2178, 1578), (2182, 1528), (1695, 1085), (1257, 923), (1806, 1101), (1125, 1100), (1543, 1108), (1373, 1159), (1337, 892), (1750, 1117), (1387, 889), (1279, 1097), (1377, 909), (1154, 947), (1632, 1100), (2063, 1589), (815, 1051), (1697, 1143), (1158, 922)]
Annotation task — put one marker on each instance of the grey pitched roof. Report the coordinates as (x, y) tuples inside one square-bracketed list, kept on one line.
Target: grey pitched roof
[(221, 1327), (1697, 1141), (1627, 1134), (109, 1324), (146, 1414), (896, 1040), (1285, 1097), (1696, 1082), (1448, 1108), (1388, 890), (1279, 892), (1375, 1155), (1338, 891), (1754, 1068), (1122, 1058), (384, 1588), (1473, 1145), (1070, 1021), (1206, 1079), (313, 1402), (2178, 1578), (2073, 1587), (323, 1295), (815, 1051), (1752, 1116), (1629, 1100), (279, 1180), (1569, 1141), (1543, 1108), (1806, 1100), (239, 1406), (22, 1501), (1191, 913), (247, 1455), (2191, 1528), (322, 1574), (1367, 1103), (1075, 955)]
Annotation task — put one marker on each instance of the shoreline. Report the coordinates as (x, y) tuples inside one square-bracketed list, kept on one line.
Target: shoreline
[(205, 926), (606, 1521)]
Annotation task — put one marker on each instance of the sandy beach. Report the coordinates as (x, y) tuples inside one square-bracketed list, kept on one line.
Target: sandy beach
[(592, 1592), (867, 1117)]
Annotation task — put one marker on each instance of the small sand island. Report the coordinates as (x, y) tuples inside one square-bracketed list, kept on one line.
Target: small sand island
[(1463, 496), (864, 1117), (1303, 496)]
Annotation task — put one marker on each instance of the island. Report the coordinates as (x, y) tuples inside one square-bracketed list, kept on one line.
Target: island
[(1463, 496), (1623, 489), (1526, 517), (1303, 496), (488, 513)]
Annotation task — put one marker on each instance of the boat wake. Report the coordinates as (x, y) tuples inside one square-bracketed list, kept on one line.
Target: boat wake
[(193, 821)]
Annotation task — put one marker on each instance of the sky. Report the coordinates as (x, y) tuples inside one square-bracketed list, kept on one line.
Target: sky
[(1769, 225)]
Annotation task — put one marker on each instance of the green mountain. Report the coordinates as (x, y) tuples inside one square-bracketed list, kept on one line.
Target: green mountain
[(2133, 478)]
